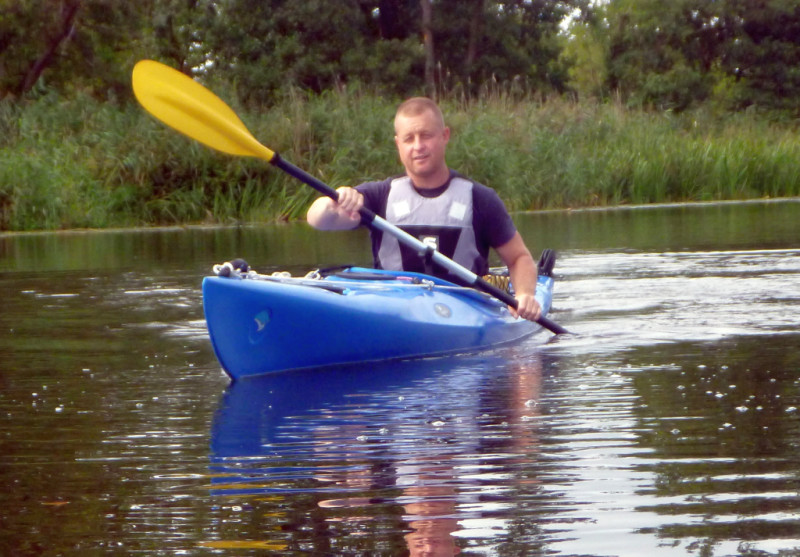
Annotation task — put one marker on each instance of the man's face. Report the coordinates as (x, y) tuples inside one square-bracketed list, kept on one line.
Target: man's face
[(421, 141)]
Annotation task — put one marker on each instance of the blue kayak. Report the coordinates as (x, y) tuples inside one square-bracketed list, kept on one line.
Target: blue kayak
[(263, 324)]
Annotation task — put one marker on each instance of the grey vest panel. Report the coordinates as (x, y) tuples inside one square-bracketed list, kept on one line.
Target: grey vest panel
[(452, 209)]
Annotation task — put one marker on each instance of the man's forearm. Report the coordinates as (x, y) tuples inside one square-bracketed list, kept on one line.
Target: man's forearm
[(523, 274)]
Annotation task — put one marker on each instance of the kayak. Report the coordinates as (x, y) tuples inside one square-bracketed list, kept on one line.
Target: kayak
[(261, 324)]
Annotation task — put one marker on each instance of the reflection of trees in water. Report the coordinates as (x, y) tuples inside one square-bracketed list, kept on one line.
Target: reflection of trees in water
[(724, 430)]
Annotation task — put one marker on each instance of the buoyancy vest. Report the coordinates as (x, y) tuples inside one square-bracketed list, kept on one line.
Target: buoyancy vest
[(443, 222)]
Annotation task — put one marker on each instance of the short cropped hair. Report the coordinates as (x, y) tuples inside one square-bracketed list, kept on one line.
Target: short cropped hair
[(419, 105)]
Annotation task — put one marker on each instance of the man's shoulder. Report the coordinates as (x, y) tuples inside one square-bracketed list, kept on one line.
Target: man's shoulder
[(484, 196), (376, 186), (477, 187), (483, 192), (376, 194)]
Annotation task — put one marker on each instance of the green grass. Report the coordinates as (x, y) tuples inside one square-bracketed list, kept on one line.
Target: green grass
[(70, 163)]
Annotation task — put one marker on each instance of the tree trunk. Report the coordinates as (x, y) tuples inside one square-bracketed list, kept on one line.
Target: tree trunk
[(475, 29), (388, 24), (427, 36), (68, 11)]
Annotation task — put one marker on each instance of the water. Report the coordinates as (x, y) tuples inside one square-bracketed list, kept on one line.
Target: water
[(670, 425)]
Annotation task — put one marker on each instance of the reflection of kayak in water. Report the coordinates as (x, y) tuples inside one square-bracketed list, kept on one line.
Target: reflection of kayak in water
[(256, 413), (260, 324), (408, 449), (311, 414)]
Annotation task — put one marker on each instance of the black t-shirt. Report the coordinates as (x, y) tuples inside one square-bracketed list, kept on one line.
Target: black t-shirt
[(490, 220)]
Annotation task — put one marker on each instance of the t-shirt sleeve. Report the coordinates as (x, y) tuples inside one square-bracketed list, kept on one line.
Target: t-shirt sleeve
[(492, 222), (376, 194)]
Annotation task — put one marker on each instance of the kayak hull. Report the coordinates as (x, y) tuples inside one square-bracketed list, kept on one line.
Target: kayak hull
[(267, 325)]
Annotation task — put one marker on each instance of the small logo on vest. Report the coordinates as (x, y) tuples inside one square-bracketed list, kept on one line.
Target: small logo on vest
[(431, 241)]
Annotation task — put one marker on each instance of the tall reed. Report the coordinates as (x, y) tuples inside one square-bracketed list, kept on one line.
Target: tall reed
[(68, 163)]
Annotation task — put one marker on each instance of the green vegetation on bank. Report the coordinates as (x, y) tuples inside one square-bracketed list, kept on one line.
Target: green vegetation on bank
[(81, 163)]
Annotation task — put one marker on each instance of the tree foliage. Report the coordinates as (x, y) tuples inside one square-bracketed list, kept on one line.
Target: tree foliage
[(89, 45), (269, 46), (314, 45), (665, 55), (676, 54), (511, 40), (764, 61)]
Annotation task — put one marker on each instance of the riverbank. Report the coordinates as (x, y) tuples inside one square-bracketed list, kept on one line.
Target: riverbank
[(190, 227), (77, 163)]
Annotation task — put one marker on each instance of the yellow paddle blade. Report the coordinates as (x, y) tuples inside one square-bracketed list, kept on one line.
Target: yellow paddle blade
[(185, 105)]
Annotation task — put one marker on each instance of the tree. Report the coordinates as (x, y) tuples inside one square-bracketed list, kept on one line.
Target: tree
[(315, 45), (90, 45), (684, 52), (501, 41), (764, 61), (63, 27), (584, 55), (427, 40), (662, 54), (396, 19), (30, 37)]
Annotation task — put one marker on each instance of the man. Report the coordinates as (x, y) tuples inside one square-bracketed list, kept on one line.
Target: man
[(460, 218)]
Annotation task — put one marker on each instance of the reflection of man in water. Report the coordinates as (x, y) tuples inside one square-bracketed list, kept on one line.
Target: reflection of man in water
[(429, 502), (431, 514), (431, 538), (434, 498)]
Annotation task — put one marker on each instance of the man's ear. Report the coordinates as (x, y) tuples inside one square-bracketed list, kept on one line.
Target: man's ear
[(446, 134)]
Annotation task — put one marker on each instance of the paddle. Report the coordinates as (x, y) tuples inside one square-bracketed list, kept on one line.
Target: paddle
[(188, 107)]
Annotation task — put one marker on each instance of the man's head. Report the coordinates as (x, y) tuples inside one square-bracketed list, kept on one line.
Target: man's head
[(421, 138)]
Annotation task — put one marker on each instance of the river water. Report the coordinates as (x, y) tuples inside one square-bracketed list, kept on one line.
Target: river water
[(668, 424)]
